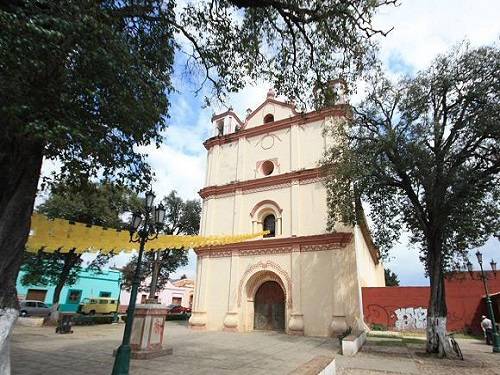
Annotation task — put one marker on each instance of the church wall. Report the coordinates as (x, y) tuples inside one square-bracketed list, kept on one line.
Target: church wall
[(370, 274), (317, 292), (306, 202), (312, 213), (312, 144), (218, 285), (273, 146), (291, 149)]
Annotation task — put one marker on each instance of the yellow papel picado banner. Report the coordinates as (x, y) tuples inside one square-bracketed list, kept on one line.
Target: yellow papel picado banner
[(61, 235)]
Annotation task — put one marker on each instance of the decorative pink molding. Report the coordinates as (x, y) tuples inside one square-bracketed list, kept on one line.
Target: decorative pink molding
[(273, 180), (264, 202), (318, 242), (260, 272)]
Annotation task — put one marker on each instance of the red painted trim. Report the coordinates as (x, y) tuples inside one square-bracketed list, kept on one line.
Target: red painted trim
[(262, 203), (339, 238), (300, 119), (304, 174)]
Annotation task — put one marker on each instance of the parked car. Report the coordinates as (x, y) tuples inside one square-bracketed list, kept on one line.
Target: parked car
[(98, 305), (33, 308), (178, 309)]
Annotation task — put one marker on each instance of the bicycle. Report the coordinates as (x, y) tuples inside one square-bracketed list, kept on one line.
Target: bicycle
[(455, 347)]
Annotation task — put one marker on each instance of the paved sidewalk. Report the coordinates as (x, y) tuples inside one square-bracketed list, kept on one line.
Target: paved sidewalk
[(88, 351)]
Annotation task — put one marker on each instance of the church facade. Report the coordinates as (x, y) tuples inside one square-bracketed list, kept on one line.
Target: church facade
[(263, 174)]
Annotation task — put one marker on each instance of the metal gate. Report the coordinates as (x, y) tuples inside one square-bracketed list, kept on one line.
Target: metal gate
[(269, 307)]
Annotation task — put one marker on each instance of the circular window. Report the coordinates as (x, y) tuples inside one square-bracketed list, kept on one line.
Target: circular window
[(267, 167)]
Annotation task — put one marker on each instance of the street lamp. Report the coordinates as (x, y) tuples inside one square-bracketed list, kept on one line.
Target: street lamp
[(496, 337), (144, 226)]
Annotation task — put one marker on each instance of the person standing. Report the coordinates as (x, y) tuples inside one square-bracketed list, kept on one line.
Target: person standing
[(487, 327)]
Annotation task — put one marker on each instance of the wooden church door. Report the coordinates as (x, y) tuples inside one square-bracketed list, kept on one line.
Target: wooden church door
[(269, 307)]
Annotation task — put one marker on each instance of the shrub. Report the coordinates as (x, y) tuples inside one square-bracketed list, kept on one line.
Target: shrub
[(378, 327)]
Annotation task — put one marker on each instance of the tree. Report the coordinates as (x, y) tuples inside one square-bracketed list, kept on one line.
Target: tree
[(85, 82), (424, 153), (181, 218), (85, 202), (391, 279)]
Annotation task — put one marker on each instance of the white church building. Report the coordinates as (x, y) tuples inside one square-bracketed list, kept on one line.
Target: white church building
[(263, 173)]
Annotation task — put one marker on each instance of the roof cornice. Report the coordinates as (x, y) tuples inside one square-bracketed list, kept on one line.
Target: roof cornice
[(301, 175), (339, 239), (299, 119)]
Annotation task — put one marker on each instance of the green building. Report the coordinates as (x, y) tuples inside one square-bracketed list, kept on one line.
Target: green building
[(105, 283)]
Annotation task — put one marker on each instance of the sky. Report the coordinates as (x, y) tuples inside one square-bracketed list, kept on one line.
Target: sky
[(422, 30)]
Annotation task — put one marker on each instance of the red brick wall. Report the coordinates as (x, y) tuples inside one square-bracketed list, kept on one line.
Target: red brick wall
[(405, 307)]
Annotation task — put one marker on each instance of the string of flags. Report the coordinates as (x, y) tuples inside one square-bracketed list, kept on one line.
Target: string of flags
[(51, 235)]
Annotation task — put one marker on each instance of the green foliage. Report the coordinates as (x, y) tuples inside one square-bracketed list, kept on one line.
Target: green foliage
[(85, 202), (391, 279), (423, 153), (90, 82), (47, 269), (181, 218), (378, 327)]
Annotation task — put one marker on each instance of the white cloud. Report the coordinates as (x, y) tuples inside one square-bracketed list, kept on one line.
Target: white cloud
[(426, 28)]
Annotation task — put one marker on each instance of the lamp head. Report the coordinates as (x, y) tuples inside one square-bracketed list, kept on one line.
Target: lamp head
[(479, 257), (159, 214), (135, 222), (150, 197)]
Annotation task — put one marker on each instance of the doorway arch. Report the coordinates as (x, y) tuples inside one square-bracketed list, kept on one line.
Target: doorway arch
[(269, 307)]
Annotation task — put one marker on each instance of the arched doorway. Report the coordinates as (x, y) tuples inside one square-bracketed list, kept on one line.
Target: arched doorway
[(269, 307)]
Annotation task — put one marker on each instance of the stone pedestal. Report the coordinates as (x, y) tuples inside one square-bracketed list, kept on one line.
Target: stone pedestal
[(231, 321), (338, 325), (198, 320), (296, 324), (147, 331)]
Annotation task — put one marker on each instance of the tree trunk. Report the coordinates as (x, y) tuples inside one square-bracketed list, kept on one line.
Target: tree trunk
[(154, 277), (70, 259), (20, 163), (437, 312)]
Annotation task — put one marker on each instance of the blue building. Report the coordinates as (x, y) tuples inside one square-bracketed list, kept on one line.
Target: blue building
[(105, 283)]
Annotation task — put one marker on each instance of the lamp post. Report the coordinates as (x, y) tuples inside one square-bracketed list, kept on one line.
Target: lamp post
[(489, 304), (144, 226), (116, 318)]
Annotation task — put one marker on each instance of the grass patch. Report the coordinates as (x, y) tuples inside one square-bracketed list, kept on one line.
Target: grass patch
[(383, 336), (468, 336), (386, 342), (414, 340)]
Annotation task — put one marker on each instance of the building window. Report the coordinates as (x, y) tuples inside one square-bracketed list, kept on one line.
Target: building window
[(269, 224), (267, 167), (105, 294), (74, 296), (268, 118), (176, 300), (36, 294)]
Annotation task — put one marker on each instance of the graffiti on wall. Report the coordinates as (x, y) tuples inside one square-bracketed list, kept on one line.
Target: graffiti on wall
[(410, 318)]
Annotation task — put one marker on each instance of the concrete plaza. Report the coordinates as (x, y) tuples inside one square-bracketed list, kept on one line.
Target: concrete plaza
[(38, 350)]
